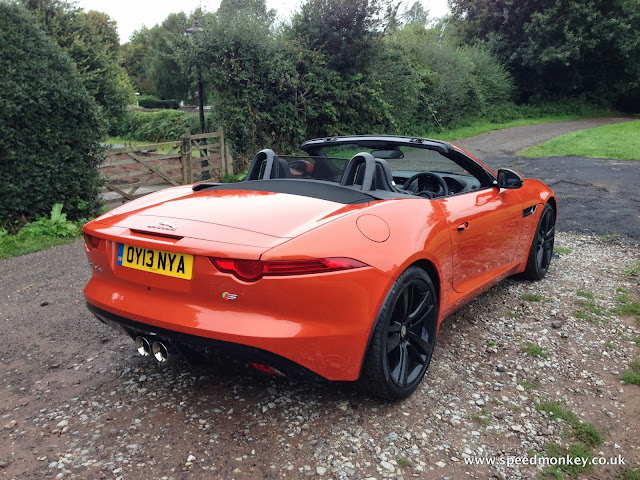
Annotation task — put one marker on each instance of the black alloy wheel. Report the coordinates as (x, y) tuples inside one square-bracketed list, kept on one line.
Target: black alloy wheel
[(541, 251), (404, 337)]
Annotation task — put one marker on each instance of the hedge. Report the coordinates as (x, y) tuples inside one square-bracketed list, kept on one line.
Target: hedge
[(51, 128), (149, 101), (161, 126)]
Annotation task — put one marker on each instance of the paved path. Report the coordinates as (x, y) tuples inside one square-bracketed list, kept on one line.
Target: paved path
[(598, 196), (508, 142)]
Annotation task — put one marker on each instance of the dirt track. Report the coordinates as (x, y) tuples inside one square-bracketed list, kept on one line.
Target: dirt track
[(77, 402)]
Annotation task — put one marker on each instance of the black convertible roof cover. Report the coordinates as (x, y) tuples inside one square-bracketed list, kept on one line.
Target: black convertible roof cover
[(308, 188)]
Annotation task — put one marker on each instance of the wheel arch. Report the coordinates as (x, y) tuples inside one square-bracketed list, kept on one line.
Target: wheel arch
[(431, 270), (433, 273)]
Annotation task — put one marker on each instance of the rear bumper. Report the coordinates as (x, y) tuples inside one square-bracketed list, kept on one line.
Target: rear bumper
[(319, 322), (201, 347)]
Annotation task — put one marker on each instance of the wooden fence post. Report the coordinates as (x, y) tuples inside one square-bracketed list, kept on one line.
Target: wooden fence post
[(225, 156), (223, 166), (228, 160), (185, 158)]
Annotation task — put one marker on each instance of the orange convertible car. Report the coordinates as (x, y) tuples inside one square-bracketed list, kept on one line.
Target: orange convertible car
[(341, 262)]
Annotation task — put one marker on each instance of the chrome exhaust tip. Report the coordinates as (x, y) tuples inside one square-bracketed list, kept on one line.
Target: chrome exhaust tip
[(161, 352), (143, 346)]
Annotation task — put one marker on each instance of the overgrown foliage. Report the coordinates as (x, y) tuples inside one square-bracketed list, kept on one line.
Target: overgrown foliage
[(561, 47), (452, 84), (164, 125), (51, 128), (42, 233), (149, 101), (339, 67), (151, 58), (253, 77), (91, 40), (367, 66)]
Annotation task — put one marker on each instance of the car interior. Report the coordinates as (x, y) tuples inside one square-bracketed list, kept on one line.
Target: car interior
[(397, 169)]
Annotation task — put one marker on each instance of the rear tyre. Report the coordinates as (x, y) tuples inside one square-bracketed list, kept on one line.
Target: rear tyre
[(542, 247), (403, 339)]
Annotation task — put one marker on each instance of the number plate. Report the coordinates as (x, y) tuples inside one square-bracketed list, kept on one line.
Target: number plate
[(171, 264)]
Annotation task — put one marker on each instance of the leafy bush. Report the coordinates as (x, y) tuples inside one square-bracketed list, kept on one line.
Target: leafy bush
[(51, 129), (149, 101), (165, 125), (56, 225), (42, 233), (453, 84), (559, 48), (91, 40)]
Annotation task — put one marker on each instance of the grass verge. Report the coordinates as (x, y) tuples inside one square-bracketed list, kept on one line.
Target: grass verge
[(584, 437), (41, 234), (620, 141), (631, 474), (136, 143), (633, 376)]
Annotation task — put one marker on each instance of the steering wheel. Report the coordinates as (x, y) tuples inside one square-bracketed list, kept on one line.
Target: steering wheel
[(425, 182)]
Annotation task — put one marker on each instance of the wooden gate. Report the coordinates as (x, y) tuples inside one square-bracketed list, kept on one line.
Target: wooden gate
[(131, 172)]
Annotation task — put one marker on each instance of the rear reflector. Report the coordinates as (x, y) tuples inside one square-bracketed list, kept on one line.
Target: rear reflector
[(266, 369), (91, 242), (252, 270)]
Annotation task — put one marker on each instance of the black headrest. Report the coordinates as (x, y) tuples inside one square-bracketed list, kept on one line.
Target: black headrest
[(360, 171), (384, 177), (266, 165)]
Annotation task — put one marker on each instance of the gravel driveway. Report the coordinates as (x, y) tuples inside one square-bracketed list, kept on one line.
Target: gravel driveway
[(76, 401)]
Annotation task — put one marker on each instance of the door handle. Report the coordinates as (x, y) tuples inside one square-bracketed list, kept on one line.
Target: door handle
[(463, 226)]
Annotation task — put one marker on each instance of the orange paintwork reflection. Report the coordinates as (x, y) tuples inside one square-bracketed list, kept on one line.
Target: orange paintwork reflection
[(485, 229)]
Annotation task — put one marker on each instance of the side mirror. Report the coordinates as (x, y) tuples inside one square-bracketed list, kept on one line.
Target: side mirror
[(507, 178)]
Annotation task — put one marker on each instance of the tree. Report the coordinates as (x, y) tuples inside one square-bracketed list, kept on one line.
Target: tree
[(256, 9), (347, 32), (560, 47), (416, 14), (169, 78), (135, 60), (338, 89), (91, 40), (51, 128), (449, 83), (155, 59), (252, 77)]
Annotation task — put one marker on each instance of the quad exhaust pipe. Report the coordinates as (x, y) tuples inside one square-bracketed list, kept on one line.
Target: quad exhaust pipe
[(161, 350), (143, 346)]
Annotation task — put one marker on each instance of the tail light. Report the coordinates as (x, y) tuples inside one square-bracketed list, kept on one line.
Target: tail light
[(91, 242), (252, 270)]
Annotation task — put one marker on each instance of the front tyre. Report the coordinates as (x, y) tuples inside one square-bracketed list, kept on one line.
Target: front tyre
[(403, 339), (542, 247)]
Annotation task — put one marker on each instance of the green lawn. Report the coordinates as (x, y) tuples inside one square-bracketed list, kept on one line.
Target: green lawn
[(481, 127), (620, 141), (14, 245), (134, 143)]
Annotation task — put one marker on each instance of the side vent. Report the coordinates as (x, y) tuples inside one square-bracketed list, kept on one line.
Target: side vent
[(529, 211)]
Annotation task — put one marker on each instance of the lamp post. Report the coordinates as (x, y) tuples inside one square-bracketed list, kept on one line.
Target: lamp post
[(189, 32)]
